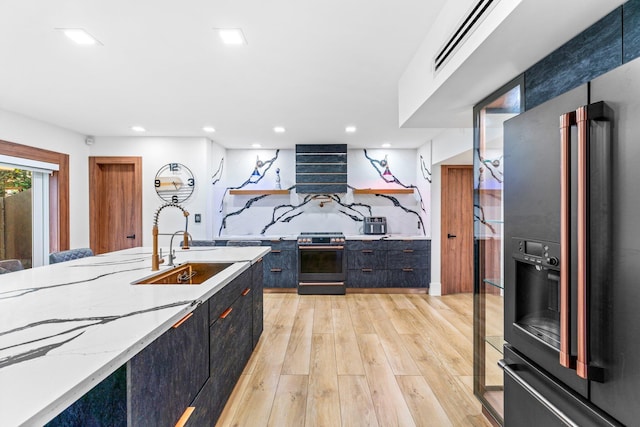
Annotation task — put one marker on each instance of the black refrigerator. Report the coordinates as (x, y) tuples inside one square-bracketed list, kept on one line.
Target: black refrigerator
[(572, 257)]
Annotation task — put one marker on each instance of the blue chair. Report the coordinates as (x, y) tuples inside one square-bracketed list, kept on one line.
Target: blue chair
[(69, 255), (9, 265)]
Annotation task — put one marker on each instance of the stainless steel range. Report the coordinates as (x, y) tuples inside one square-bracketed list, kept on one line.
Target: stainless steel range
[(322, 263)]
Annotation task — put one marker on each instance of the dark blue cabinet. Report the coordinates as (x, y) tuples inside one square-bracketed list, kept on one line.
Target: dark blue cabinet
[(195, 364), (388, 263), (257, 292), (408, 262), (165, 377), (281, 264), (234, 330)]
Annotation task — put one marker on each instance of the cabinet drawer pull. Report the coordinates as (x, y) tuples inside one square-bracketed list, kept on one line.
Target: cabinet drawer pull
[(367, 270), (407, 270), (181, 321), (367, 251), (259, 260), (226, 313), (276, 270), (276, 251), (407, 251), (246, 291), (185, 416)]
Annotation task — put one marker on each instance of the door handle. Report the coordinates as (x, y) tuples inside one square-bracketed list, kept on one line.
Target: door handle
[(451, 236), (566, 121), (131, 236)]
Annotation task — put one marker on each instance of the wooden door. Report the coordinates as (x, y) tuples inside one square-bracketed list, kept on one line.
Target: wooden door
[(457, 229), (115, 203)]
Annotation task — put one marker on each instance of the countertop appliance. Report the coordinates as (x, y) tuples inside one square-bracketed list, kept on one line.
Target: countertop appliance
[(375, 225), (322, 263), (572, 261)]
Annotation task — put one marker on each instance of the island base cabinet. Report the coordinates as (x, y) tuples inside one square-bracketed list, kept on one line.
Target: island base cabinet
[(104, 405), (165, 377), (257, 291), (231, 345)]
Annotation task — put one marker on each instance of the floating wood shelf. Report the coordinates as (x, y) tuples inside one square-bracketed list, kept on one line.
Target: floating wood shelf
[(256, 192), (383, 191)]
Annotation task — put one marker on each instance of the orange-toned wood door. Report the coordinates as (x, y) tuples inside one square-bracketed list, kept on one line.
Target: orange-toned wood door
[(115, 203), (457, 229)]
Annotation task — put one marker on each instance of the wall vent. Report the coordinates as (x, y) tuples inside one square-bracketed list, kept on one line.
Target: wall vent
[(321, 169), (472, 19)]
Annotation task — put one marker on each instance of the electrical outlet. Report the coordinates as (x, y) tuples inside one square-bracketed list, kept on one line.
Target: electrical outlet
[(197, 217)]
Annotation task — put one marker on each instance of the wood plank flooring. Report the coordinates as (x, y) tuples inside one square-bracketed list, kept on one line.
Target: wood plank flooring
[(360, 360)]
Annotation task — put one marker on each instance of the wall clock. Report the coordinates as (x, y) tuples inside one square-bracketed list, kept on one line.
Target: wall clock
[(174, 182)]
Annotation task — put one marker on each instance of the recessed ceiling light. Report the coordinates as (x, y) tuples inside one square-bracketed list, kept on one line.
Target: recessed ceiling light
[(279, 129), (80, 36), (209, 129), (386, 145), (138, 129), (233, 36), (350, 129), (256, 145)]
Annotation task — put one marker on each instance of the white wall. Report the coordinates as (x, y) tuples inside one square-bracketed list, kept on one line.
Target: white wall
[(26, 131), (452, 147), (195, 153)]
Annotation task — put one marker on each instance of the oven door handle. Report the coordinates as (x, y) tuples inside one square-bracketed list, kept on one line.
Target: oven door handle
[(306, 248)]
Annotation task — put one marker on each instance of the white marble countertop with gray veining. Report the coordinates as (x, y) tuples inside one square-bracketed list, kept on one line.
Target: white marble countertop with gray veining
[(67, 326)]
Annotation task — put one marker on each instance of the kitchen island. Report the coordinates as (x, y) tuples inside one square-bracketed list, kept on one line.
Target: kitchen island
[(64, 328)]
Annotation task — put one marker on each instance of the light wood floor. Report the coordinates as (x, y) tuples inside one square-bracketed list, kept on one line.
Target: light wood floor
[(360, 360)]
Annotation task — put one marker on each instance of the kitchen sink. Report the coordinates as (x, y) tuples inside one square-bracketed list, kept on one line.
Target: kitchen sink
[(188, 273)]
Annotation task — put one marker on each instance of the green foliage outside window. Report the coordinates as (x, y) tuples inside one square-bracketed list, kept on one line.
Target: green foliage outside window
[(14, 181)]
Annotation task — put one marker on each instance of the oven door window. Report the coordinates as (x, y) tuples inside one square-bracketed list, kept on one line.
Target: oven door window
[(321, 261)]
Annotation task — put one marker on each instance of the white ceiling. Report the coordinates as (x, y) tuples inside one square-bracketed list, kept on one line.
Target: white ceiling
[(310, 66), (313, 67)]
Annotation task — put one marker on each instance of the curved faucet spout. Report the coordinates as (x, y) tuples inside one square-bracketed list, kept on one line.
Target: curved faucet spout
[(185, 245), (155, 257)]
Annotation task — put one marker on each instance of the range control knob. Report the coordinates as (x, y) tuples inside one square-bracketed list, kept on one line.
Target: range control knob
[(553, 261)]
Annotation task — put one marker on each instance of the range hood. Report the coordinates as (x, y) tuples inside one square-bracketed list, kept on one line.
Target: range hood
[(321, 168)]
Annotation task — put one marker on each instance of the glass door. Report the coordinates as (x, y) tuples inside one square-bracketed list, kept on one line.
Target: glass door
[(488, 162), (24, 210)]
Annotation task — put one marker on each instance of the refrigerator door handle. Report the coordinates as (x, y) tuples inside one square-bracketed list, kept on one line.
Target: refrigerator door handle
[(566, 121), (582, 121), (508, 370)]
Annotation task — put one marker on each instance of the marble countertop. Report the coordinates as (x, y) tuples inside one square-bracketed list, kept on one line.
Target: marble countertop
[(66, 327)]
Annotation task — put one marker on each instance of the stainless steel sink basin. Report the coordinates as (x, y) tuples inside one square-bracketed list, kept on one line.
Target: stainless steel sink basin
[(189, 273)]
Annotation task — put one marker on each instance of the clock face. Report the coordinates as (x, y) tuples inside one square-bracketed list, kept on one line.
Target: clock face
[(174, 182)]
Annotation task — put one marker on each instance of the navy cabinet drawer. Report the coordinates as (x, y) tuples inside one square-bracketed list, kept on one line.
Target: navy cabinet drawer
[(408, 278), (283, 259), (284, 245), (280, 278), (356, 245), (223, 299), (418, 245), (367, 258), (408, 258), (366, 278), (280, 269)]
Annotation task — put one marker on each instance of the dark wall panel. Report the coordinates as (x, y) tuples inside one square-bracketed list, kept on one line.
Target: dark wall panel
[(631, 30), (593, 52)]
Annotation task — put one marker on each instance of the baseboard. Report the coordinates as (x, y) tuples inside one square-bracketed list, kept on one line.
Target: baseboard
[(435, 289)]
